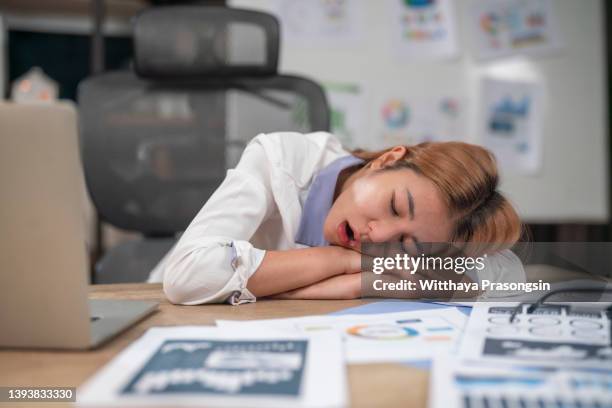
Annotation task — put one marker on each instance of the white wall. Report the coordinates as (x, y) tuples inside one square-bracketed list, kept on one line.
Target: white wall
[(572, 184)]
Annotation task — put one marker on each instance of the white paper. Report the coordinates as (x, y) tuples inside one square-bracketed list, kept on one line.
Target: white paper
[(197, 366), (501, 28), (320, 22), (423, 29), (551, 336), (404, 120), (455, 384), (248, 114), (348, 113), (511, 124), (385, 337)]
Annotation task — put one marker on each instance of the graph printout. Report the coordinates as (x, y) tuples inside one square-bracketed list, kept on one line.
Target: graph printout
[(459, 385), (222, 367), (552, 335), (373, 338)]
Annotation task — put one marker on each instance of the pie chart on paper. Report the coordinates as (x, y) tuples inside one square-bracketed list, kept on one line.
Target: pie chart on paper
[(382, 332)]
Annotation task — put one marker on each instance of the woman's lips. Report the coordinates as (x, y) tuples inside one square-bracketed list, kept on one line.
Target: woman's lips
[(344, 236)]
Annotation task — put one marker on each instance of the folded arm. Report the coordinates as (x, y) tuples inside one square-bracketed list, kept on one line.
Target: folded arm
[(282, 271), (336, 287)]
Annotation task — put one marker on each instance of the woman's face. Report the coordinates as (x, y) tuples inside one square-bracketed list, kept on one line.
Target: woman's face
[(387, 206)]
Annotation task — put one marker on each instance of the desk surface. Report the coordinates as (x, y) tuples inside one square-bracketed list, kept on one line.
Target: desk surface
[(371, 385)]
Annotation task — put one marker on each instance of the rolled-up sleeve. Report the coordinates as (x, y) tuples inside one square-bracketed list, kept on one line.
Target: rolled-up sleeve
[(213, 260), (223, 269)]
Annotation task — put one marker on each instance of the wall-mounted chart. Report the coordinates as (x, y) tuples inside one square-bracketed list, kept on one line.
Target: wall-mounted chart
[(557, 45), (423, 29)]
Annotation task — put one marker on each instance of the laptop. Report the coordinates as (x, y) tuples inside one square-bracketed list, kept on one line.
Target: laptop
[(43, 256)]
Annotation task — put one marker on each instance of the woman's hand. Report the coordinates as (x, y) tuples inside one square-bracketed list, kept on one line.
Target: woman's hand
[(352, 259), (283, 271), (337, 287)]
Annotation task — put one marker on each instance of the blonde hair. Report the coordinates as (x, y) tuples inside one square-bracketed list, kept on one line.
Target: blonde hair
[(467, 177)]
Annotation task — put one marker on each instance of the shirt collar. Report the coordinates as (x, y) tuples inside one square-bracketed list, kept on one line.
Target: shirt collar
[(319, 201)]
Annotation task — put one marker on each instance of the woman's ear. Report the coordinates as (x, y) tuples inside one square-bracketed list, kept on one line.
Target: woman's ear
[(389, 158)]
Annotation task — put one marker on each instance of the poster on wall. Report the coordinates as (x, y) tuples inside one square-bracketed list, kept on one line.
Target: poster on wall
[(511, 123), (423, 29), (320, 22), (412, 120), (348, 113), (502, 28)]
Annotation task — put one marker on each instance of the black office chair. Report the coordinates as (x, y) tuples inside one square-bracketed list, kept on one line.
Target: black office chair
[(157, 142)]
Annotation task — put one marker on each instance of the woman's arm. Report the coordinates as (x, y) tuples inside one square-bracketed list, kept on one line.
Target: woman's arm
[(214, 260), (336, 287), (282, 271)]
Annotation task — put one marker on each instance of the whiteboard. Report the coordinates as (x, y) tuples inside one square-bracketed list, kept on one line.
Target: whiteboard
[(572, 183)]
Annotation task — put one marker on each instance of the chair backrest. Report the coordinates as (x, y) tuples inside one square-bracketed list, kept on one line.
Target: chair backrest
[(158, 141)]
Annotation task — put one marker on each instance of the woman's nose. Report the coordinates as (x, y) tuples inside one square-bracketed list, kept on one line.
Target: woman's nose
[(384, 231)]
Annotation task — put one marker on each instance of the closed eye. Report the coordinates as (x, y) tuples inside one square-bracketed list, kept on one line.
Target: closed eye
[(393, 208), (396, 213)]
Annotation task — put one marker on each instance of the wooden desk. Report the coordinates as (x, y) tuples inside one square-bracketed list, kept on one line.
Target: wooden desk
[(371, 385)]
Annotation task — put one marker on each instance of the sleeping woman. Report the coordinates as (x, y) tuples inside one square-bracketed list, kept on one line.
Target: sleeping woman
[(290, 220)]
